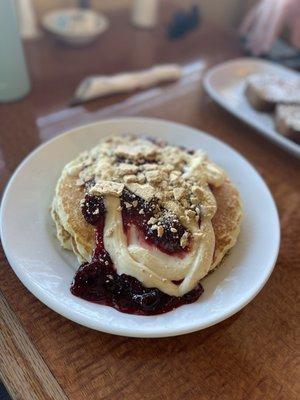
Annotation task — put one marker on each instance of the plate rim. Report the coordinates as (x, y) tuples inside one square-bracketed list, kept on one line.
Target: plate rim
[(48, 301), (278, 139)]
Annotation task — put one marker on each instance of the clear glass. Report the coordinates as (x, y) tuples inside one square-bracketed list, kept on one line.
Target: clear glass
[(14, 80)]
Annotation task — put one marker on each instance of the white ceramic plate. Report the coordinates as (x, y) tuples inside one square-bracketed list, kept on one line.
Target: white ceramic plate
[(47, 270), (225, 83)]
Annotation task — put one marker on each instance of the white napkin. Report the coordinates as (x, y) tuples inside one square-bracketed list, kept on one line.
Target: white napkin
[(98, 86)]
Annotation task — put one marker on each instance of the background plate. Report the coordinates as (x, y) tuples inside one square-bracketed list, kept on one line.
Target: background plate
[(225, 83)]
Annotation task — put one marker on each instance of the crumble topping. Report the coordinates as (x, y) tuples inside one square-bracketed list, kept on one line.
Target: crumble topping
[(102, 188), (174, 180)]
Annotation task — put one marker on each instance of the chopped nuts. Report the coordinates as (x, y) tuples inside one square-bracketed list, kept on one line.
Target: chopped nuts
[(153, 176), (184, 240), (127, 169), (190, 213), (130, 178), (141, 178), (152, 221), (197, 191), (173, 179), (160, 231), (146, 191), (136, 151), (178, 193), (174, 176), (102, 188)]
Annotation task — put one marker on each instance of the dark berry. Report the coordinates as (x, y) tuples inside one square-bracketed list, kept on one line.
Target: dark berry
[(112, 285), (149, 300), (93, 209)]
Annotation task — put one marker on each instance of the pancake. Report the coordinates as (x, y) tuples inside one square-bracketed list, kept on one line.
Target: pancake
[(147, 220), (227, 220), (75, 234)]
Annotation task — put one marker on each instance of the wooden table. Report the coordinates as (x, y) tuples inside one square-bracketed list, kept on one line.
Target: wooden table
[(252, 355)]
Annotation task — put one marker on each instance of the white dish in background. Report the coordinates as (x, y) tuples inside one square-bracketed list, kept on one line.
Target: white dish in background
[(75, 26), (47, 270), (225, 83)]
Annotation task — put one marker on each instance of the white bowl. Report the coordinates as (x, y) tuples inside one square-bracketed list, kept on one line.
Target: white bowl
[(75, 26), (47, 270)]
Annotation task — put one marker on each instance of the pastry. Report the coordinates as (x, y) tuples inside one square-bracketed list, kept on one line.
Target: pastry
[(147, 222), (264, 91), (287, 119)]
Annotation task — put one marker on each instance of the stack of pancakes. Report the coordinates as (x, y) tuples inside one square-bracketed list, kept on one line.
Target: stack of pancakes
[(75, 234)]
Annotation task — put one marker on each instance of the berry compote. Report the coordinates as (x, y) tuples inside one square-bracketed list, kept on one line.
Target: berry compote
[(98, 281)]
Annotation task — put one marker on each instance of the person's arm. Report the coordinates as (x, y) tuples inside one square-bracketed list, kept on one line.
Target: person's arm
[(265, 22)]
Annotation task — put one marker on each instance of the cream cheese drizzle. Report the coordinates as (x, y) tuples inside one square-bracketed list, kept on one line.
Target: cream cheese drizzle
[(154, 268)]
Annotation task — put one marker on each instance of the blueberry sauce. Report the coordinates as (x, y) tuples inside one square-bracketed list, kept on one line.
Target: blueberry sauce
[(93, 210), (98, 280)]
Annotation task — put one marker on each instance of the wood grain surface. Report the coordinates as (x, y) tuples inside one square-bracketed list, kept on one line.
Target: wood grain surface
[(252, 355)]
